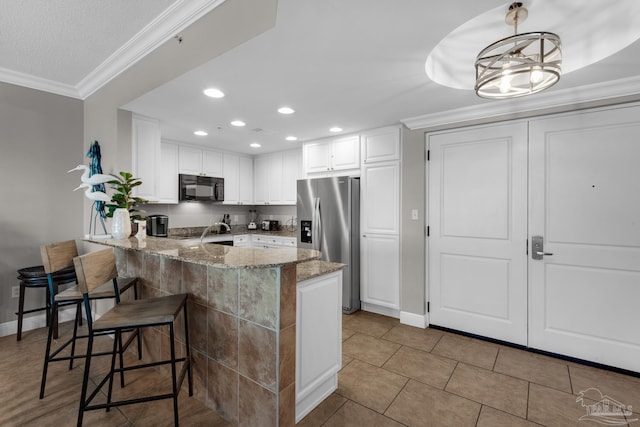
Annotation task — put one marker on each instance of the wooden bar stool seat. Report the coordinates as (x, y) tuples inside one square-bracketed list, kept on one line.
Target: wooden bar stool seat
[(59, 257), (93, 270)]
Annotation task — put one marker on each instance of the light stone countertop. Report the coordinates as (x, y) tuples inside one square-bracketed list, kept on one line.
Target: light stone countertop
[(310, 269), (213, 255)]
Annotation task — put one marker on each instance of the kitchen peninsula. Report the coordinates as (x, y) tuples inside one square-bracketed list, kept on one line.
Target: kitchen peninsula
[(243, 322)]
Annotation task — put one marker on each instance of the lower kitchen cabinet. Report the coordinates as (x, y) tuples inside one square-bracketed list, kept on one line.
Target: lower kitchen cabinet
[(318, 340), (380, 272)]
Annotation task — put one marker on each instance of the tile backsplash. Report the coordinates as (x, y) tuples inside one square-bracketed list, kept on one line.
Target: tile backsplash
[(196, 214)]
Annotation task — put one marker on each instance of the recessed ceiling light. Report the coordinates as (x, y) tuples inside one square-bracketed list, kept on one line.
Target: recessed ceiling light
[(238, 123), (335, 129), (286, 110), (291, 138), (255, 145), (200, 133), (214, 93)]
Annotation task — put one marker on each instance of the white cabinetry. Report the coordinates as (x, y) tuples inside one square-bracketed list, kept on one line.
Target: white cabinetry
[(167, 183), (380, 269), (275, 177), (381, 145), (318, 340), (269, 241), (326, 156), (238, 179), (380, 221), (145, 155), (196, 161), (242, 240)]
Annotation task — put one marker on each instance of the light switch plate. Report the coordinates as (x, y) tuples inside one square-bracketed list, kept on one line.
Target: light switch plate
[(414, 214)]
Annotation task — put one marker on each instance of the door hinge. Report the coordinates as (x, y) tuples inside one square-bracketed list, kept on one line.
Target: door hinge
[(526, 249), (426, 232), (428, 307), (428, 155)]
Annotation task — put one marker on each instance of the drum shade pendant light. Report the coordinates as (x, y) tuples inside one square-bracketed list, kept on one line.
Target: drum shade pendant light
[(519, 65)]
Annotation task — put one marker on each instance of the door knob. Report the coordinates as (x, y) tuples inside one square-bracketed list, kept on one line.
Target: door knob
[(537, 248)]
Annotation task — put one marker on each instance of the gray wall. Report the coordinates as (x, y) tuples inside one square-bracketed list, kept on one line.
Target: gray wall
[(40, 139), (412, 250)]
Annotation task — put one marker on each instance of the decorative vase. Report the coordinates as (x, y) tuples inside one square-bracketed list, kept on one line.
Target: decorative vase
[(121, 227)]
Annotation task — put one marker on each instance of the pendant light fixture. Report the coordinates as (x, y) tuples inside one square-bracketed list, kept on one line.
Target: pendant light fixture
[(519, 65)]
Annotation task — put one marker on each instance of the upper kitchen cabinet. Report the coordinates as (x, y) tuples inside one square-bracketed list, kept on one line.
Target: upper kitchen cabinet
[(197, 161), (275, 177), (326, 156), (380, 198), (167, 180), (145, 155), (238, 179), (381, 145)]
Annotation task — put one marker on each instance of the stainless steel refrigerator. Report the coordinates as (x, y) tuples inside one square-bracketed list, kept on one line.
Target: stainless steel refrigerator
[(329, 221)]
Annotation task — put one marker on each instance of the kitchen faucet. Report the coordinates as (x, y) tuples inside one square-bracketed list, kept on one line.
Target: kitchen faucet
[(215, 224)]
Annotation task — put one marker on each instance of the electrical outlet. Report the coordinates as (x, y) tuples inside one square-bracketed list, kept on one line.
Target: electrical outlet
[(414, 214), (15, 291)]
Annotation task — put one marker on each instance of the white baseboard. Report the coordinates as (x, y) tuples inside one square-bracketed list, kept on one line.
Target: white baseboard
[(412, 319), (378, 309), (35, 322)]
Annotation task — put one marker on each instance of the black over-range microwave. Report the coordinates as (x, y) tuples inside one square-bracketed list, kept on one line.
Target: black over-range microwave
[(201, 188)]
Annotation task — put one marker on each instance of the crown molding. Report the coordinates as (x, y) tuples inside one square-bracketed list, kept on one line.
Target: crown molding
[(38, 83), (552, 101), (174, 19)]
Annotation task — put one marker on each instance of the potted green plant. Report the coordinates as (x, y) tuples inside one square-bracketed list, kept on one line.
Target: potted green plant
[(123, 199)]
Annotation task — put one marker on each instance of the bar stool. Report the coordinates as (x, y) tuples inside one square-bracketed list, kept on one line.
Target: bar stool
[(58, 257), (96, 268), (34, 278)]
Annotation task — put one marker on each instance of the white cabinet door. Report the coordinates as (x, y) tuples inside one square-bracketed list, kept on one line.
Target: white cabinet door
[(380, 270), (190, 160), (380, 198), (231, 178), (146, 155), (291, 162), (381, 145), (212, 163), (167, 184), (318, 340), (274, 178), (245, 179), (317, 157), (260, 185), (345, 153)]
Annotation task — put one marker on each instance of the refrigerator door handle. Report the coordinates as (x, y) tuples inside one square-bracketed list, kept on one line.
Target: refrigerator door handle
[(315, 221)]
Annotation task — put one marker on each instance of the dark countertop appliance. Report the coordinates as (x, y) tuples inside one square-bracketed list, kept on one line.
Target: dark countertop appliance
[(157, 225), (200, 188), (270, 225)]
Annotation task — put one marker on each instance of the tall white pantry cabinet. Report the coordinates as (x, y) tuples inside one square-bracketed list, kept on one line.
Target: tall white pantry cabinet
[(380, 221)]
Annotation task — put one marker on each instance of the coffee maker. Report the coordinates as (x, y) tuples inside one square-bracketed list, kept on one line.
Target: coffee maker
[(157, 225)]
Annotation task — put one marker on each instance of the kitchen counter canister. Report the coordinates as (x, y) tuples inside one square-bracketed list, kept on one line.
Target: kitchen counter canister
[(243, 315)]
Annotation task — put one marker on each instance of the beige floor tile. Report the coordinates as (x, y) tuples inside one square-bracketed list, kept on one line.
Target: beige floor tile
[(496, 390), (490, 417), (422, 405), (346, 360), (347, 333), (471, 351), (532, 367), (323, 411), (420, 339), (369, 323), (554, 408), (369, 349), (369, 385), (624, 390), (422, 366), (353, 415)]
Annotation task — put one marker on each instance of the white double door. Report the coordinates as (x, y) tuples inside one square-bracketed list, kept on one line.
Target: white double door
[(571, 180)]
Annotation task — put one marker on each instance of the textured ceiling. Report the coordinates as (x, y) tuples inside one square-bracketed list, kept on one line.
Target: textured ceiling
[(64, 40)]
